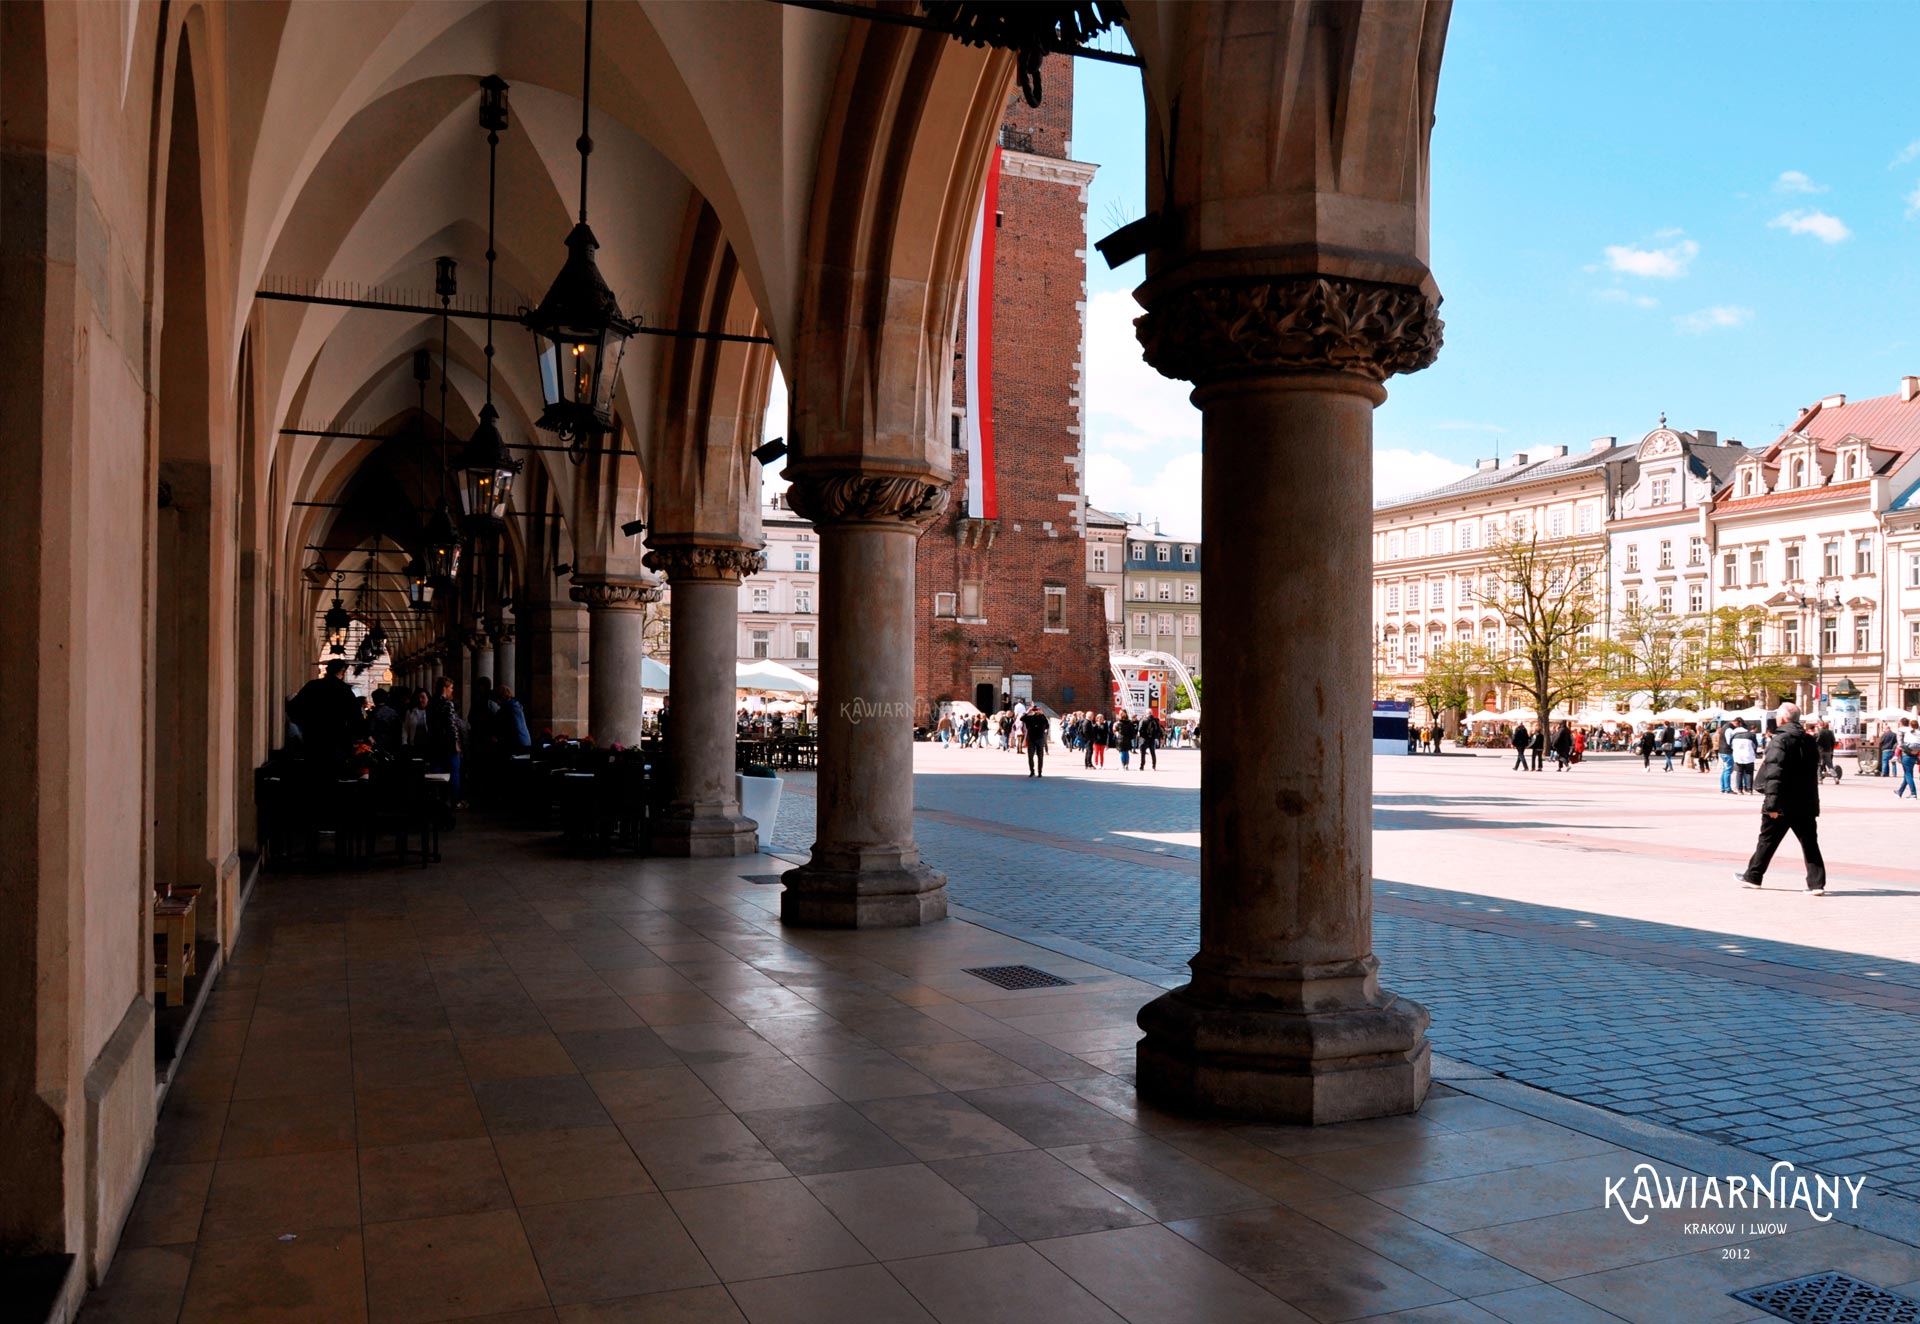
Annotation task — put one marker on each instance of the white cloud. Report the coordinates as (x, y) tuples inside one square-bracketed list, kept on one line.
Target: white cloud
[(1827, 229), (1169, 493), (1796, 181), (1614, 294), (1143, 434), (1717, 318), (1669, 263), (1913, 201), (1911, 152), (1402, 472)]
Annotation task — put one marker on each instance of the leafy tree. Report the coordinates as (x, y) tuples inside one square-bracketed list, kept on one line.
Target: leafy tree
[(1737, 664), (1648, 654), (1453, 671), (1547, 593)]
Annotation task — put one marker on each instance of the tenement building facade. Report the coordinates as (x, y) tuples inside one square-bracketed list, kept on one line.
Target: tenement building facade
[(1162, 595), (780, 603), (1814, 538), (1005, 610)]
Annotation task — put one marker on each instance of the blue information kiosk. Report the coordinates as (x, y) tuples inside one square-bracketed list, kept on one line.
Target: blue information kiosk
[(1390, 719)]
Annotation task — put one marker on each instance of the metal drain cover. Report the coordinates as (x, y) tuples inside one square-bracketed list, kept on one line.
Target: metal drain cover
[(1018, 976), (1832, 1298)]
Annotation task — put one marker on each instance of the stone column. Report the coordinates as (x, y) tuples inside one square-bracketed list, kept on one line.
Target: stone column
[(1284, 1017), (703, 816), (616, 642), (480, 663), (865, 870)]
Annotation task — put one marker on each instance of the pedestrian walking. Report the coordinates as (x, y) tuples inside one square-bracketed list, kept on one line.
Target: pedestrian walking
[(1128, 731), (1889, 749), (1563, 747), (1033, 725), (1647, 742), (1151, 734), (1789, 785), (1520, 745), (1909, 739), (1102, 733), (1540, 747), (1744, 749), (1724, 749)]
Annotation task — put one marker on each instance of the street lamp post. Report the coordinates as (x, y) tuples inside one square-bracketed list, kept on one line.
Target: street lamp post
[(1820, 605)]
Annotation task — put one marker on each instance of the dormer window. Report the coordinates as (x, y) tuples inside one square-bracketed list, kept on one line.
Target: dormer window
[(1799, 472)]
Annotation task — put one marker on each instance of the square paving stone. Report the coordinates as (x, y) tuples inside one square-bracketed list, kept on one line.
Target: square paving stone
[(939, 1126), (450, 1268), (1036, 1195), (1047, 1115), (829, 1138), (282, 1193), (539, 1103), (700, 1151), (902, 1211), (293, 1124), (550, 1167), (314, 1279), (1310, 1266), (600, 1250), (1155, 1277), (431, 1179), (790, 1230), (627, 1049), (999, 1285), (513, 1056), (1159, 1180), (652, 1093), (866, 1292), (417, 1112)]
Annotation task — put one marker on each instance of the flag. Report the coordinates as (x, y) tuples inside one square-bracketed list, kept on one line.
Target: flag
[(983, 500)]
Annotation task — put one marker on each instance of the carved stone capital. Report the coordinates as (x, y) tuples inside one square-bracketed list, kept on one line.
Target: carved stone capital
[(1217, 330), (858, 498), (614, 595), (503, 636), (477, 639), (705, 561)]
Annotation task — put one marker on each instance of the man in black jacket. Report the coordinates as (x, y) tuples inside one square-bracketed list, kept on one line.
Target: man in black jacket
[(1789, 784), (1520, 746)]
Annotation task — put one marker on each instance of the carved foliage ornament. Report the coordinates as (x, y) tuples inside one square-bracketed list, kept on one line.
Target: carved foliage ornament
[(606, 594), (696, 561), (865, 499), (1212, 332)]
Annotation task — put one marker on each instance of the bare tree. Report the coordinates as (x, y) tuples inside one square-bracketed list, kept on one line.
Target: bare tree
[(1738, 666), (1648, 654), (1452, 670), (1546, 592)]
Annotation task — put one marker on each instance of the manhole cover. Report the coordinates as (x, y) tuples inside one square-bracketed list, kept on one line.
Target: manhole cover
[(1832, 1298), (1018, 976)]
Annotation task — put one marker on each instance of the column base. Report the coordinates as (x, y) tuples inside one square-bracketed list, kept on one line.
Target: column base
[(704, 836), (1237, 1058), (898, 896)]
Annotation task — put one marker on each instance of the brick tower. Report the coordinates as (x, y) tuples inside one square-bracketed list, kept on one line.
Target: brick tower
[(1005, 609)]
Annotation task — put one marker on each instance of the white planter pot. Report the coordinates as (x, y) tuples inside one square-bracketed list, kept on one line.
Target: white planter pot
[(760, 801)]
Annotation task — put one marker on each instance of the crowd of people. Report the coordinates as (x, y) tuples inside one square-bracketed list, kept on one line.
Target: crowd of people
[(1026, 729), (328, 721)]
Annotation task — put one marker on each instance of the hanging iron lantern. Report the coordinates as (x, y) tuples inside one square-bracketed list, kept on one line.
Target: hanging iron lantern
[(443, 547), (338, 621), (419, 590), (579, 334), (486, 474)]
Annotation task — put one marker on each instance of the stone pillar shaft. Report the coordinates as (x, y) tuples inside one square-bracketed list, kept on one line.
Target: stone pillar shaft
[(616, 644), (1284, 1017), (703, 817), (865, 870)]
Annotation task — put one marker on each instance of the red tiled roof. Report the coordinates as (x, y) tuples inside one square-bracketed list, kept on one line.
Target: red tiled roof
[(1741, 505), (1887, 421)]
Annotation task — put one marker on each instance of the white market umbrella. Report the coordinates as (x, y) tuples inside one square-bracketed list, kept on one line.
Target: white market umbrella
[(1637, 715), (653, 675), (1755, 713), (1888, 715), (1714, 714), (768, 676), (1676, 715), (1484, 715), (1518, 715)]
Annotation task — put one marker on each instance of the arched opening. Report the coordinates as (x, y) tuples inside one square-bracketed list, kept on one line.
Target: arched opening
[(184, 627)]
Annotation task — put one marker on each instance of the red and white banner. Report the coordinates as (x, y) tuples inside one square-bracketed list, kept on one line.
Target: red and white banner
[(983, 500)]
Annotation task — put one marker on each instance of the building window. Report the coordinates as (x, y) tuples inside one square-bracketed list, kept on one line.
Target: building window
[(1863, 556), (1140, 623), (1163, 552), (1413, 650), (1633, 558), (959, 431), (760, 638), (1393, 546), (1829, 635), (1757, 566), (1584, 519), (1416, 541), (1790, 637), (1490, 637), (1913, 569), (1830, 559), (1666, 553), (1437, 593), (1662, 491), (1730, 571), (1697, 552), (1666, 599), (970, 599), (803, 558), (1166, 622), (1793, 560), (1863, 634), (1056, 607), (1633, 599), (1393, 597), (1163, 590), (803, 600), (1557, 524), (1696, 597), (803, 643), (1490, 589), (1189, 592), (1190, 624), (1438, 542), (1100, 559), (1140, 590), (1913, 638), (1192, 660), (943, 604), (1493, 531), (762, 601), (1466, 537), (1137, 551), (1187, 554), (1464, 590)]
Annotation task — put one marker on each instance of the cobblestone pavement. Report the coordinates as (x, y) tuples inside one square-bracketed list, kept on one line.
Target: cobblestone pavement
[(1582, 932)]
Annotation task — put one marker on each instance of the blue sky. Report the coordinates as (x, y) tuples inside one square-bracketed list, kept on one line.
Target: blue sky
[(1707, 209)]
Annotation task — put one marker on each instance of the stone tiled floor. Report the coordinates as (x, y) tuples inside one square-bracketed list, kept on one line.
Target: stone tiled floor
[(1580, 932), (520, 1088)]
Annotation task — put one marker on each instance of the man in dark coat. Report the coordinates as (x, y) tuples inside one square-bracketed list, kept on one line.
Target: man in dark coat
[(1033, 723), (328, 713), (1520, 746), (1789, 785)]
